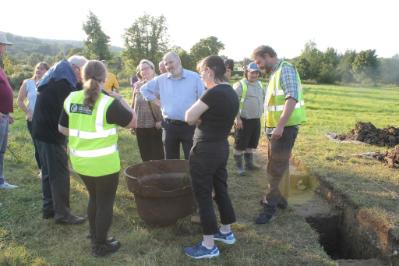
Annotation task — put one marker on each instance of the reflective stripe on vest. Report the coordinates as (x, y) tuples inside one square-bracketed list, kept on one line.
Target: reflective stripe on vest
[(244, 88), (92, 135), (275, 101), (94, 153), (280, 108), (100, 131), (92, 141)]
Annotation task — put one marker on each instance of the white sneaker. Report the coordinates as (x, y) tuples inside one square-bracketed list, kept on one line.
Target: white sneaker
[(5, 185)]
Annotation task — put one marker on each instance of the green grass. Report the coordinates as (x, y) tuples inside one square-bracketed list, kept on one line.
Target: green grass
[(368, 183), (26, 239)]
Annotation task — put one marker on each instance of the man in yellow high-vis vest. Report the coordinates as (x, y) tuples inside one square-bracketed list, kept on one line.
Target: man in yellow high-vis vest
[(284, 111)]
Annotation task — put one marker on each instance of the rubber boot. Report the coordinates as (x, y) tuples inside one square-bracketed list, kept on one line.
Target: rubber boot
[(239, 166), (249, 162)]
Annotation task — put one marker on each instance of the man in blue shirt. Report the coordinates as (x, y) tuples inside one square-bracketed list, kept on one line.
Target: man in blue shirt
[(175, 92)]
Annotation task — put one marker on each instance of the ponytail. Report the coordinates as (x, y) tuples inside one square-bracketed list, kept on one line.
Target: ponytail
[(91, 92), (94, 72)]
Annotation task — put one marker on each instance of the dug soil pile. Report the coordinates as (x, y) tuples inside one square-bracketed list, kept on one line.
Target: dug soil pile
[(366, 132), (391, 158)]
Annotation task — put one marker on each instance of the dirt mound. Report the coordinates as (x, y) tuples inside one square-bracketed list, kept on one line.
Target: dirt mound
[(366, 132), (390, 157)]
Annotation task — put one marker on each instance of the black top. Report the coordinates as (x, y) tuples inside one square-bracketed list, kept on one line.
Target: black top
[(116, 114), (48, 107), (217, 121)]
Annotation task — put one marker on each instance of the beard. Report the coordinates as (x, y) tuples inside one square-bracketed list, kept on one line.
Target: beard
[(268, 68)]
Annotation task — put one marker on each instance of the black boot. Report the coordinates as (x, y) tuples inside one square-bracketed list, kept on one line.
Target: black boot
[(239, 166), (101, 250), (266, 215), (249, 162), (282, 203), (92, 238)]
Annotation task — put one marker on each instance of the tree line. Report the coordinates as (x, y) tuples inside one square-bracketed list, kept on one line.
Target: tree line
[(148, 38), (350, 67)]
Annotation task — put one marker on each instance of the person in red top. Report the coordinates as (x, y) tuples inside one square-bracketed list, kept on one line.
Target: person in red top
[(6, 108)]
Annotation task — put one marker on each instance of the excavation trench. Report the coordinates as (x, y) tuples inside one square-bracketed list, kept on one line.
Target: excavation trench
[(346, 232)]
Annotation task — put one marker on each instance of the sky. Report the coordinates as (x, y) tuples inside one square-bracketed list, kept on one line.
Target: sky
[(241, 25)]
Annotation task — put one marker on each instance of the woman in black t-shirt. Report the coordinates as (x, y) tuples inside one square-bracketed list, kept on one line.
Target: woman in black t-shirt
[(214, 114)]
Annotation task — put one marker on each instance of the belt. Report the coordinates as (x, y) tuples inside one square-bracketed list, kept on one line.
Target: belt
[(175, 122)]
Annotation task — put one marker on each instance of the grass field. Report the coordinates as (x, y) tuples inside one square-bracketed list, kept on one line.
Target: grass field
[(26, 239), (368, 183)]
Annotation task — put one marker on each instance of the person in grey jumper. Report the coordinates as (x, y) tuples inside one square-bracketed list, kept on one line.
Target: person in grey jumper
[(247, 124)]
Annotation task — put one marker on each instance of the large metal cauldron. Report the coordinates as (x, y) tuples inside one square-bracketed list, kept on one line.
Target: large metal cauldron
[(162, 190)]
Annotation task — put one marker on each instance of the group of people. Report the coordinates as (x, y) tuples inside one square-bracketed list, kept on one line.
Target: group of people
[(176, 109)]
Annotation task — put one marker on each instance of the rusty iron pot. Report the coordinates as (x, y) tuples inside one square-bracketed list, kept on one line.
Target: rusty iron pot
[(162, 190)]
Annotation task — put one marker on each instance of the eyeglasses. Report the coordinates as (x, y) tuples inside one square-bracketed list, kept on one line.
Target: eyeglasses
[(75, 66)]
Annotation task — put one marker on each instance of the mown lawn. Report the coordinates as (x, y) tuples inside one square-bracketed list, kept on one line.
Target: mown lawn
[(26, 239)]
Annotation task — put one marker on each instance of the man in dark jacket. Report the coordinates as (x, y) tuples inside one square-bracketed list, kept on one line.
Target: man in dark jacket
[(63, 78)]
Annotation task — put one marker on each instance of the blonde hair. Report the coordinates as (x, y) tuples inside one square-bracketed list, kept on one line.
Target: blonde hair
[(40, 64), (94, 72)]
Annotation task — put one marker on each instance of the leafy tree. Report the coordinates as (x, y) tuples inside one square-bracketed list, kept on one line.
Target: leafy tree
[(116, 64), (302, 65), (328, 72), (186, 59), (314, 57), (206, 47), (96, 45), (365, 66), (344, 67), (34, 58), (146, 38), (7, 64), (389, 68)]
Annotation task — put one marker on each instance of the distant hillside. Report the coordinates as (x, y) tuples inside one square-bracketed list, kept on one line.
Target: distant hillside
[(25, 46)]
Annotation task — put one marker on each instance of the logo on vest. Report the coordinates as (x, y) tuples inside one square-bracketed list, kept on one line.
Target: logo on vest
[(80, 109)]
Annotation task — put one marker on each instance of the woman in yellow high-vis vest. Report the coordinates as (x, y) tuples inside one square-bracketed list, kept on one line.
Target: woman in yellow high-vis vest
[(89, 119)]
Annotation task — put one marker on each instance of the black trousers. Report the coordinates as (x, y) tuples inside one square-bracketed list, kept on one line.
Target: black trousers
[(29, 124), (102, 191), (208, 171), (173, 135), (150, 143), (248, 136), (279, 153), (55, 178)]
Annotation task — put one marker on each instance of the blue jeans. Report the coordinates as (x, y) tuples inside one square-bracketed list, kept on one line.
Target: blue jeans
[(3, 143)]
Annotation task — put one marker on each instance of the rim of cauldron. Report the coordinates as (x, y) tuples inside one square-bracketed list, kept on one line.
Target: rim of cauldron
[(149, 162)]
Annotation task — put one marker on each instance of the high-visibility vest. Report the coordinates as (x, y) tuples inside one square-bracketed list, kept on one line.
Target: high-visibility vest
[(275, 101), (244, 87), (92, 142)]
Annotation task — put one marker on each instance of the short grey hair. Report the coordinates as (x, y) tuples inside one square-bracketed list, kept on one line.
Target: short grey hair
[(171, 54), (77, 60)]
